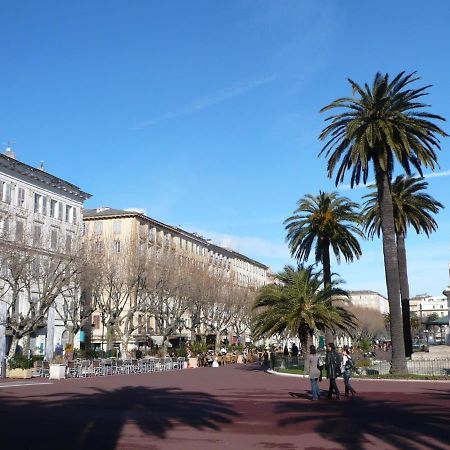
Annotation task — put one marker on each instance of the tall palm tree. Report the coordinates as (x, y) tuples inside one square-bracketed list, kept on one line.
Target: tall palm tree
[(376, 127), (320, 222), (299, 304), (411, 207), (324, 221)]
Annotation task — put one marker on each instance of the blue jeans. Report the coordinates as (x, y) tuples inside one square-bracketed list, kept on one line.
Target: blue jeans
[(315, 389), (348, 387)]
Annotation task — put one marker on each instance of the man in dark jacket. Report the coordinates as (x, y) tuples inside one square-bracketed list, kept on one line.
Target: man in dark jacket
[(333, 367)]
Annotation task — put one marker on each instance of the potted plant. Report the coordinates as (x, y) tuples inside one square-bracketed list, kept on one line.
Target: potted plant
[(57, 368), (20, 367)]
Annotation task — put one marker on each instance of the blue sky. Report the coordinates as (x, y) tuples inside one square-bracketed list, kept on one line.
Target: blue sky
[(206, 113)]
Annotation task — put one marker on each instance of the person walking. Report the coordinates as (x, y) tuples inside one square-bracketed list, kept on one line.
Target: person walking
[(348, 365), (311, 369), (333, 367)]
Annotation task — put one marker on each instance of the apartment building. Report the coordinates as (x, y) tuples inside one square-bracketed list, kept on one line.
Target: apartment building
[(122, 231), (423, 305), (369, 299), (42, 214)]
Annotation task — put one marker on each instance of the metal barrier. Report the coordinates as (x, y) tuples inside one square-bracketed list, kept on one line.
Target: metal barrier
[(430, 367), (279, 361)]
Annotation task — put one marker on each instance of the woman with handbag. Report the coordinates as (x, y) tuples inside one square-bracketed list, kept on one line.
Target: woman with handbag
[(312, 369), (348, 366)]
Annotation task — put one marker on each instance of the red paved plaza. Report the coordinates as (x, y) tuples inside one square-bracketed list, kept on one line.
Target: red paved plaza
[(234, 407)]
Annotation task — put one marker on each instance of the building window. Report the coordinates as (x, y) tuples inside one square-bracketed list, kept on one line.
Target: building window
[(19, 230), (68, 213), (37, 235), (85, 230), (53, 239), (37, 202), (98, 228), (44, 205), (21, 197), (74, 216), (6, 193), (116, 246), (60, 210), (53, 204), (68, 243), (4, 227), (116, 226), (151, 234), (96, 322), (99, 246)]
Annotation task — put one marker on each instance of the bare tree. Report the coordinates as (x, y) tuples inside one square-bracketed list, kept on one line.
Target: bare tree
[(75, 307), (113, 292), (165, 293), (241, 308), (371, 323), (31, 282)]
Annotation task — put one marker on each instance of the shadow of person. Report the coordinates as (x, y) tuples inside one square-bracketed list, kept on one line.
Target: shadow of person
[(95, 420)]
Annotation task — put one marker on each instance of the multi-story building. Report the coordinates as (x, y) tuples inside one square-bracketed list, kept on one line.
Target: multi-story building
[(124, 231), (370, 300), (40, 214), (423, 305)]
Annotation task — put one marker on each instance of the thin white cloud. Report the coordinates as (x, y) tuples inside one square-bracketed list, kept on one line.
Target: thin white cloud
[(138, 210), (252, 246), (445, 173), (208, 101), (345, 187)]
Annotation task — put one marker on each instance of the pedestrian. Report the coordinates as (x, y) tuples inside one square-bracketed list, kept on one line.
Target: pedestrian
[(312, 369), (245, 355), (348, 366), (333, 366), (286, 351), (294, 350), (265, 359)]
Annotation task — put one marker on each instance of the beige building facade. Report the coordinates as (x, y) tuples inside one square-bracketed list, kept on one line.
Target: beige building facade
[(132, 233), (369, 299)]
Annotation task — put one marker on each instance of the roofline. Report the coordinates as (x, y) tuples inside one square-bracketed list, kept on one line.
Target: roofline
[(206, 242), (33, 172), (367, 292)]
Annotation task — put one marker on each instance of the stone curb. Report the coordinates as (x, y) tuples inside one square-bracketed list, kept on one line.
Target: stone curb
[(274, 372)]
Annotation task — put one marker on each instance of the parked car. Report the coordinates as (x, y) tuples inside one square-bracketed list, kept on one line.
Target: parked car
[(420, 345)]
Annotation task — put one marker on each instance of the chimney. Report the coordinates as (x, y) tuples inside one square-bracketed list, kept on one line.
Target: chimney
[(41, 166), (9, 152)]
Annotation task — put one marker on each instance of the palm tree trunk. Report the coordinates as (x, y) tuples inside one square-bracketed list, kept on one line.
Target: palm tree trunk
[(391, 271), (326, 264), (404, 291)]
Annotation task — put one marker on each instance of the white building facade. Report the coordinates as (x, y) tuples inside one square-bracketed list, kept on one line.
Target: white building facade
[(369, 299), (39, 213)]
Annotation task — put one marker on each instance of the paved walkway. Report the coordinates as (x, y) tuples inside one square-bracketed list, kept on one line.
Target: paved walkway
[(235, 407)]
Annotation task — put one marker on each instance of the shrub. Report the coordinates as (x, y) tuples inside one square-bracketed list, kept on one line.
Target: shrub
[(363, 363), (20, 362)]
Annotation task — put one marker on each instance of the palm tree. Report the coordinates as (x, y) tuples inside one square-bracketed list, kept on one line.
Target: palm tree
[(411, 207), (376, 127), (321, 222), (324, 221), (299, 304)]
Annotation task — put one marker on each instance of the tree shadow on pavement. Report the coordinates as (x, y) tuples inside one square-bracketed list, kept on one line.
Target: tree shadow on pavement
[(354, 423), (251, 367), (96, 419)]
